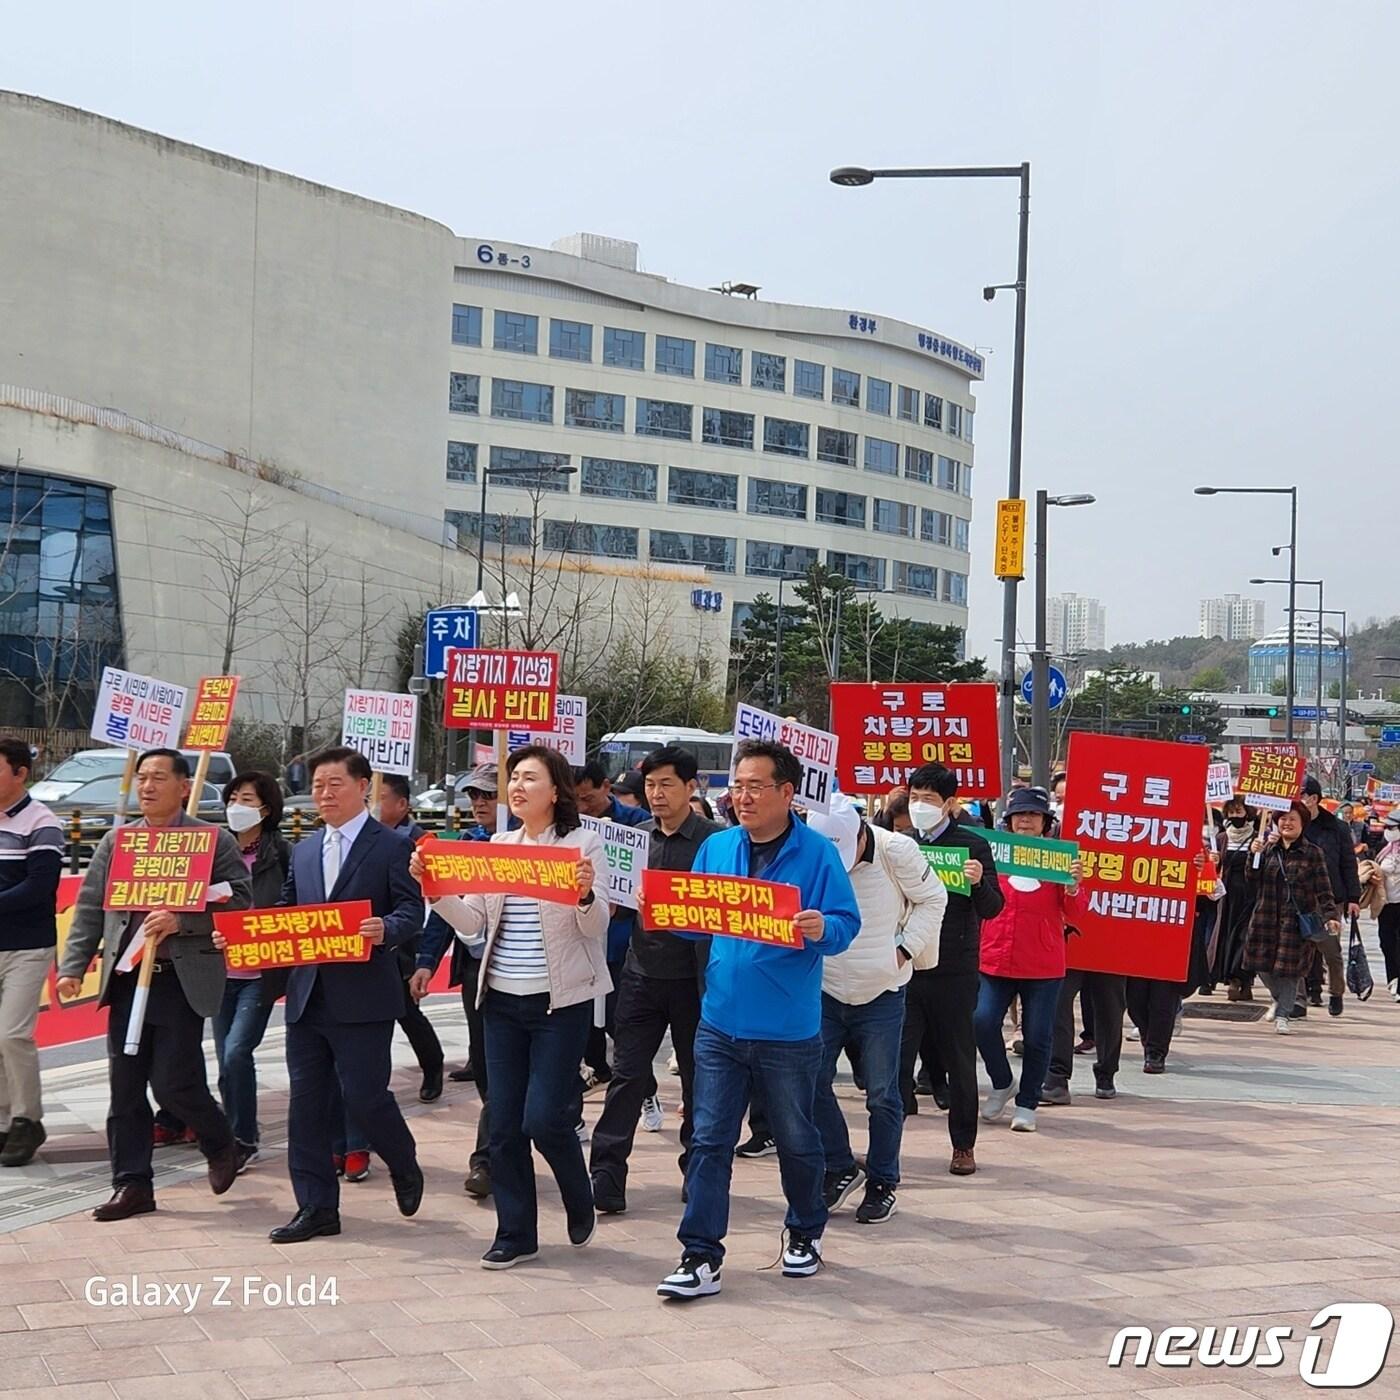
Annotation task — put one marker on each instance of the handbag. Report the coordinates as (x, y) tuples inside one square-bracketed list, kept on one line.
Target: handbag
[(1359, 982), (1311, 929)]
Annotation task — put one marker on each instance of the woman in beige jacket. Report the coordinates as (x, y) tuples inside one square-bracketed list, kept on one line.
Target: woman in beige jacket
[(542, 966)]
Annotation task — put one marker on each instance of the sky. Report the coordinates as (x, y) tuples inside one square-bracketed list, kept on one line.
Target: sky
[(1215, 198)]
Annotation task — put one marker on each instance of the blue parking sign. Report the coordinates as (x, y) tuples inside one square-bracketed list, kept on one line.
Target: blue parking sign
[(447, 627)]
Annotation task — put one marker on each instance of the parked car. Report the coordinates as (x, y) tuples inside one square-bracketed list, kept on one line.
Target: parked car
[(87, 764), (433, 799), (96, 805)]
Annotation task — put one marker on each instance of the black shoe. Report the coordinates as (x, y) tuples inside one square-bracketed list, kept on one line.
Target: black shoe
[(478, 1183), (27, 1134), (838, 1186), (1154, 1064), (223, 1169), (757, 1146), (247, 1154), (1085, 1046), (408, 1190), (505, 1256), (606, 1201), (940, 1096), (306, 1224), (878, 1205), (465, 1075), (1334, 1008), (431, 1089), (696, 1276), (130, 1198), (1314, 998), (858, 1080), (1299, 1012), (581, 1231), (1104, 1089), (923, 1084)]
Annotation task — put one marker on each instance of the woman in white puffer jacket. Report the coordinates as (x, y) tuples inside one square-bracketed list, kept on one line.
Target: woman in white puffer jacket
[(1388, 863), (901, 917)]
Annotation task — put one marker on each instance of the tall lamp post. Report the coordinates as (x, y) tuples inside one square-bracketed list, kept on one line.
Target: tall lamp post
[(508, 476), (1040, 657), (1317, 584), (853, 175), (1292, 493), (1343, 784)]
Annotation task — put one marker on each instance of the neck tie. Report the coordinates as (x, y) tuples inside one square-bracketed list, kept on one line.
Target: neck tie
[(330, 859)]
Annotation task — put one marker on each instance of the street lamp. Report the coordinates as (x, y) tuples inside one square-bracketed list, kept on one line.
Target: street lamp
[(1317, 584), (778, 641), (856, 175), (1040, 657), (1292, 492), (1343, 781), (508, 476)]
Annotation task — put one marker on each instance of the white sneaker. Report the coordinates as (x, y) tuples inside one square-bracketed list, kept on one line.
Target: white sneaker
[(694, 1277), (994, 1105), (584, 1136), (802, 1255), (1131, 1033), (653, 1115), (1283, 1026), (1023, 1120)]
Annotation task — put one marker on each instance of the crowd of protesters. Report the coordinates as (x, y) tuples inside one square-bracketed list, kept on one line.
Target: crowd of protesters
[(911, 981)]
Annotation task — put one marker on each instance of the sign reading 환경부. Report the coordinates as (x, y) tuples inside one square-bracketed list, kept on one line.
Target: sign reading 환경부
[(1134, 808), (500, 689), (138, 712), (815, 750), (884, 731), (383, 726)]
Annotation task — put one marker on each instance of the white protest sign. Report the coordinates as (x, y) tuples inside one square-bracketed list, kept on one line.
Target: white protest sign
[(382, 725), (626, 850), (569, 735), (815, 750), (138, 712), (1220, 783)]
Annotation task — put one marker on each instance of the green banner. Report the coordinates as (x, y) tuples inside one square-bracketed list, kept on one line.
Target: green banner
[(947, 863), (1033, 856)]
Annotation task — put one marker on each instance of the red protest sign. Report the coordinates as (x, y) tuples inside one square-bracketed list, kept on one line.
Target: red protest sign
[(885, 731), (483, 867), (1206, 879), (212, 713), (726, 905), (257, 939), (1134, 807), (1271, 775), (155, 867), (500, 689)]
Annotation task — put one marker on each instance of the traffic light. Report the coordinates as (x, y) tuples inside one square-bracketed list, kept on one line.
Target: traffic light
[(1262, 711), (1272, 712), (1186, 709)]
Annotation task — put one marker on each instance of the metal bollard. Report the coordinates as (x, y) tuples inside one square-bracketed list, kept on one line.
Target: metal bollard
[(296, 825), (75, 842)]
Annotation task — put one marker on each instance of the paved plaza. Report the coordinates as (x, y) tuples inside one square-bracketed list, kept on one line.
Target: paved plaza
[(1254, 1184)]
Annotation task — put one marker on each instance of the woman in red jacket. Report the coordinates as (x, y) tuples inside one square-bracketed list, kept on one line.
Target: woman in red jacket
[(1023, 954)]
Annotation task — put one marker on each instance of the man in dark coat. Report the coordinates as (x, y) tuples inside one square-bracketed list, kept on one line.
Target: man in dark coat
[(1334, 839)]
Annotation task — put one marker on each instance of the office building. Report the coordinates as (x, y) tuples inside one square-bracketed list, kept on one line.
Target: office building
[(1232, 618), (1268, 661)]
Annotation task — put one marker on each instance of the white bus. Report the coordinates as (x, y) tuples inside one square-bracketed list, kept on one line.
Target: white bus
[(628, 747)]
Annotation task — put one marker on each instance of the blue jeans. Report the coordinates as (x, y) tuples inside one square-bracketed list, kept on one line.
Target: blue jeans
[(725, 1071), (533, 1055), (238, 1031), (874, 1029), (1039, 998)]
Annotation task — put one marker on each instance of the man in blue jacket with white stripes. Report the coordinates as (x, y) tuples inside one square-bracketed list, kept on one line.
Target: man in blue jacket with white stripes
[(760, 1020)]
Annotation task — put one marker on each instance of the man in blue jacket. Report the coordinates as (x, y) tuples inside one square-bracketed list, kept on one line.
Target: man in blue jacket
[(760, 1021)]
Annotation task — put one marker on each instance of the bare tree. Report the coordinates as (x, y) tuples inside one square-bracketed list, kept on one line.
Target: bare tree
[(240, 571), (366, 618), (308, 671)]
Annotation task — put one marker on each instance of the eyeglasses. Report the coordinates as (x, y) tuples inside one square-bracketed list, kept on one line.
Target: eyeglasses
[(753, 789)]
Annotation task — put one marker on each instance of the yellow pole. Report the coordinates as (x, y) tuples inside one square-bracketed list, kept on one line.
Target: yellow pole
[(124, 792), (201, 774)]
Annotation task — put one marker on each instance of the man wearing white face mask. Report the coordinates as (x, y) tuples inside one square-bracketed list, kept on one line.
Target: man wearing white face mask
[(942, 994)]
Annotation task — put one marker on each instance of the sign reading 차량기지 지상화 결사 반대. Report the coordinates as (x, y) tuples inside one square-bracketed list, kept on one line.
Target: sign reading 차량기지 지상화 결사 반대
[(1134, 808), (500, 689), (884, 731)]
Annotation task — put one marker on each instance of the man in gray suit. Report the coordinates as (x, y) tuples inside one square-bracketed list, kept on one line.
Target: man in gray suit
[(187, 987)]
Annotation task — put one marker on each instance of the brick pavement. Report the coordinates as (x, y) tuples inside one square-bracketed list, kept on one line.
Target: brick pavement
[(1255, 1183)]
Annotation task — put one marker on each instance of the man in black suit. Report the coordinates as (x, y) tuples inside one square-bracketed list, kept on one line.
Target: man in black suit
[(340, 1016)]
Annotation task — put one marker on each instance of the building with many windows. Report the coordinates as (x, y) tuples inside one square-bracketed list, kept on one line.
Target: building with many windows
[(1232, 618), (1268, 661), (367, 372), (1074, 624)]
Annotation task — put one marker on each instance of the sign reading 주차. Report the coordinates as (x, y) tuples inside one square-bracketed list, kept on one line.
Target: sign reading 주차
[(383, 726), (212, 714), (500, 689), (886, 731), (1011, 538), (728, 906), (138, 712), (256, 939), (815, 750), (1134, 808), (160, 868)]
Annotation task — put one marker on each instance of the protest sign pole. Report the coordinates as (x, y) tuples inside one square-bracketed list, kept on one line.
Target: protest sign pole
[(501, 738), (376, 786), (124, 792), (201, 774), (140, 997)]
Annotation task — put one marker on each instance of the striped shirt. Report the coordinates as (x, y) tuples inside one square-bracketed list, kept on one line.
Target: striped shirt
[(518, 963), (31, 859)]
